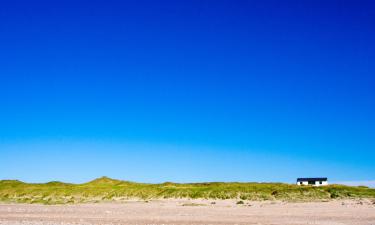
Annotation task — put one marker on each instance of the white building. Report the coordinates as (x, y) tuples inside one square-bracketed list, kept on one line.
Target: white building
[(320, 181)]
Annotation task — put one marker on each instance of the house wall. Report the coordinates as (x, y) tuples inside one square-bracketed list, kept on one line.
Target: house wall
[(303, 183), (317, 183)]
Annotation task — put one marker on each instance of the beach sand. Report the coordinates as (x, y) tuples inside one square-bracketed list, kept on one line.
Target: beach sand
[(170, 212)]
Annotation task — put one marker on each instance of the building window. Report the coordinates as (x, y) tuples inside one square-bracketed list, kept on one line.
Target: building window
[(320, 182), (311, 182), (300, 182)]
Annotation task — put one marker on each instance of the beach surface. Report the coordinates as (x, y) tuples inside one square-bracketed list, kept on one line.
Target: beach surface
[(158, 212)]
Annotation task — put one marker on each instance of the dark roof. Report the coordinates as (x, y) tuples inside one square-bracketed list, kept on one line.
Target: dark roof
[(312, 179)]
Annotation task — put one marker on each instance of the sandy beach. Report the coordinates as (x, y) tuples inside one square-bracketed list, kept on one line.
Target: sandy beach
[(192, 212)]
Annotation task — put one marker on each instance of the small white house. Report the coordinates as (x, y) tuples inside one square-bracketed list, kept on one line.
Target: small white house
[(320, 181)]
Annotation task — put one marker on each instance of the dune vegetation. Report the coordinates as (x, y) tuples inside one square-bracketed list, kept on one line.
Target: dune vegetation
[(106, 189)]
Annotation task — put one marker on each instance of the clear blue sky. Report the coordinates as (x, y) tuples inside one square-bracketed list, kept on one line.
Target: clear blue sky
[(187, 91)]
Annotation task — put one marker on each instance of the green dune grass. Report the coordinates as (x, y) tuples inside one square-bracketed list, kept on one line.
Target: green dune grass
[(106, 189)]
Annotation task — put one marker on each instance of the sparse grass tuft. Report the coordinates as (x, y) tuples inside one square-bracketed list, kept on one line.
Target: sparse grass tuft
[(192, 204)]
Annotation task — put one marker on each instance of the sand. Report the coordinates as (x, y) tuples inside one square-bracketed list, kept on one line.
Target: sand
[(192, 212)]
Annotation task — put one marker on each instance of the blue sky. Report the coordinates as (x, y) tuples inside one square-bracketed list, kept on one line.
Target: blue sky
[(187, 91)]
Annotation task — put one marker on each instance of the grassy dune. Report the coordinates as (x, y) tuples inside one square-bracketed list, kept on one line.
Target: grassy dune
[(106, 189)]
